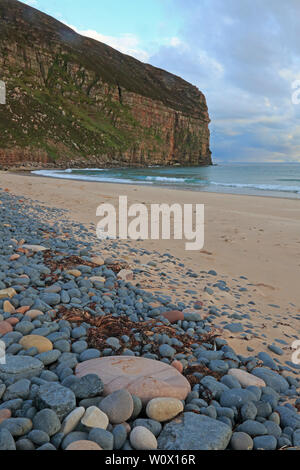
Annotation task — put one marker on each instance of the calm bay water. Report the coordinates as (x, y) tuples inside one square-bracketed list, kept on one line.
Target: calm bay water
[(266, 179)]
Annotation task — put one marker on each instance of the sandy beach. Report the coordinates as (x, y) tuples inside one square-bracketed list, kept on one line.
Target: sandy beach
[(249, 236)]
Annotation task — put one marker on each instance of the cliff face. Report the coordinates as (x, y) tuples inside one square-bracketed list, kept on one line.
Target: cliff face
[(72, 101)]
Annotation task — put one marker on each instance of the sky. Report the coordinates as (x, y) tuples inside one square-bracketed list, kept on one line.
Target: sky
[(243, 55)]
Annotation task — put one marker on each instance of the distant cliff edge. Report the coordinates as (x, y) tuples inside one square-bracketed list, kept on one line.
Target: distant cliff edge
[(73, 101)]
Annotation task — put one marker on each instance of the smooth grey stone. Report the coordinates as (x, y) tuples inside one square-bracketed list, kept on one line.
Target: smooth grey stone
[(236, 397), (87, 402), (47, 420), (273, 429), (253, 428), (20, 389), (275, 349), (88, 386), (47, 446), (62, 345), (118, 406), (56, 397), (12, 405), (24, 327), (194, 432), (20, 367), (154, 426), (137, 407), (272, 379), (6, 440), (120, 436), (72, 437), (264, 409), (51, 299), (230, 381), (167, 351), (296, 438), (89, 354), (215, 387), (79, 346), (57, 439), (38, 437), (104, 438), (248, 411), (49, 376), (265, 443), (241, 441), (17, 426), (24, 444)]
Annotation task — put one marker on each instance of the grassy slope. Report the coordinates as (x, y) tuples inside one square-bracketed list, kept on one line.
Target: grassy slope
[(73, 124)]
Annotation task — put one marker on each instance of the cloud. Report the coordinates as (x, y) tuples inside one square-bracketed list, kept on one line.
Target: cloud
[(244, 56), (31, 3), (126, 43)]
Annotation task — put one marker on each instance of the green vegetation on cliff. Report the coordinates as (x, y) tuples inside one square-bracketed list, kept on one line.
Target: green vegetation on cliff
[(78, 100)]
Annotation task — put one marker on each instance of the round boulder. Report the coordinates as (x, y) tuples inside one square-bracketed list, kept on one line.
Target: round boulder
[(145, 378)]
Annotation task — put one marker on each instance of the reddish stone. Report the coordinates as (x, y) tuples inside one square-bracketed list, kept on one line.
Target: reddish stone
[(4, 414), (12, 321), (145, 378), (14, 257), (21, 250), (178, 365), (173, 316), (23, 309), (5, 327)]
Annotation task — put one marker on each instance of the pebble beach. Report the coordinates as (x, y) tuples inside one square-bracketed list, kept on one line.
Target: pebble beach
[(114, 345)]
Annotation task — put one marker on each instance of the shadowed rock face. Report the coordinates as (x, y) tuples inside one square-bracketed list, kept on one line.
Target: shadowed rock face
[(72, 100)]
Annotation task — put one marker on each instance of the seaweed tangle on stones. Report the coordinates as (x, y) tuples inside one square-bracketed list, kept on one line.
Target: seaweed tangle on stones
[(67, 262), (110, 325)]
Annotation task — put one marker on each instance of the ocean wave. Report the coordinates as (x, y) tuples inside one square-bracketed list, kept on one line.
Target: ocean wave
[(262, 187), (167, 179), (80, 177), (187, 182), (74, 170)]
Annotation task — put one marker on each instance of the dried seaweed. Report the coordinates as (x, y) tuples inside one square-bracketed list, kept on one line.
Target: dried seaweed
[(68, 262), (111, 326), (117, 267)]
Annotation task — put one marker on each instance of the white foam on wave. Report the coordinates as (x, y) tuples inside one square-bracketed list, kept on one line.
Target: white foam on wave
[(262, 187), (62, 174), (77, 175), (166, 179)]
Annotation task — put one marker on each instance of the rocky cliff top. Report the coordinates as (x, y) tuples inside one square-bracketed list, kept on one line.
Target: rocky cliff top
[(30, 26), (68, 93)]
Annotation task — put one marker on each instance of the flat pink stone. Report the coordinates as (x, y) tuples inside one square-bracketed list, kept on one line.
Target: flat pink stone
[(5, 327), (173, 316), (142, 377)]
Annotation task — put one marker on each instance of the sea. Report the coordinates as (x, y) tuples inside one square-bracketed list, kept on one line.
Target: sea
[(257, 179)]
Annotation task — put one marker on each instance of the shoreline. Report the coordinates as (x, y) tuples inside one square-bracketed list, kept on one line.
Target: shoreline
[(117, 296), (172, 188), (250, 235)]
